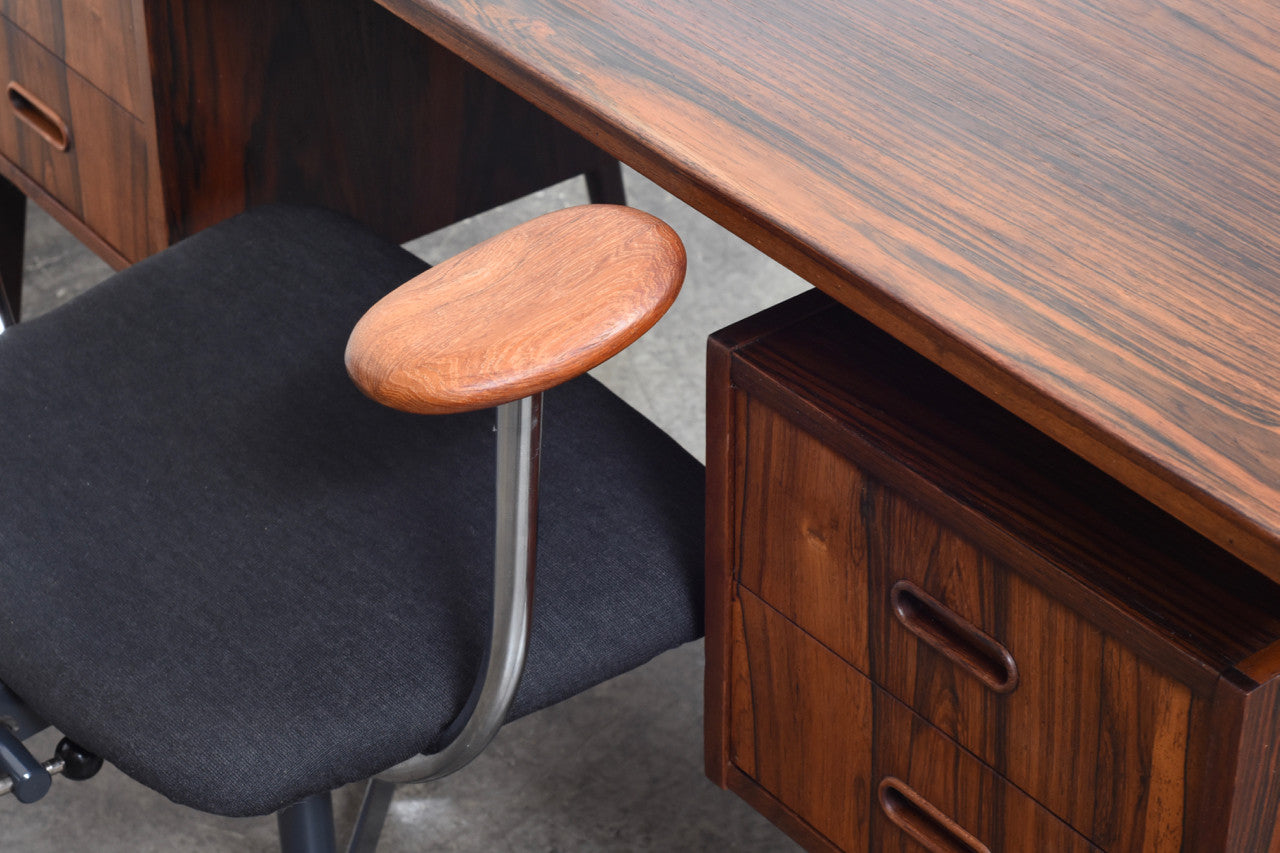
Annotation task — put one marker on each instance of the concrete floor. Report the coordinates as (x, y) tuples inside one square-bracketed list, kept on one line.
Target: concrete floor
[(617, 768)]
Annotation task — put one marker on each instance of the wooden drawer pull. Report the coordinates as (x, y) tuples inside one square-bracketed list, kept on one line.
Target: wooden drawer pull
[(39, 117), (920, 819), (954, 637)]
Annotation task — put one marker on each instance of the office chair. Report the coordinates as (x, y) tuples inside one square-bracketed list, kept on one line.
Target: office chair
[(244, 582)]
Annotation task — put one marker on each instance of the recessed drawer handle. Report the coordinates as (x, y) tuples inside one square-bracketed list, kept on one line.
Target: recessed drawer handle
[(920, 819), (954, 637), (39, 117)]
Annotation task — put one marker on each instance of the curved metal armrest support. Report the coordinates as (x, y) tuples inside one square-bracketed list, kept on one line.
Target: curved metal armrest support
[(519, 445), (497, 325)]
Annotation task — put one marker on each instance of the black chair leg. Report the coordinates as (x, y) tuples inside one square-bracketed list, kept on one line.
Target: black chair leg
[(604, 184), (307, 826), (13, 219)]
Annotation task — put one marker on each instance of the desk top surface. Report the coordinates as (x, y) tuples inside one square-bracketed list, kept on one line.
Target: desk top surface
[(1074, 206)]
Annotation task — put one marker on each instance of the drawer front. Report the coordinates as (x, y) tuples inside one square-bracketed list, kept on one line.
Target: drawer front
[(99, 39), (801, 543), (99, 171), (1065, 712), (801, 724), (926, 787), (857, 765)]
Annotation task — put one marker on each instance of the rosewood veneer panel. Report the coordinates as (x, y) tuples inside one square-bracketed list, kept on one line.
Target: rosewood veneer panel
[(337, 103), (1140, 700), (100, 177), (98, 39)]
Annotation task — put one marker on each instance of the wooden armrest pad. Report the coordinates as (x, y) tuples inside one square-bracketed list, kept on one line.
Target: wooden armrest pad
[(519, 313)]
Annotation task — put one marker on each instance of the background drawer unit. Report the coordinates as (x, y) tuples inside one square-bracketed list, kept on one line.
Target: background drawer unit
[(937, 545), (98, 39), (99, 174), (186, 112)]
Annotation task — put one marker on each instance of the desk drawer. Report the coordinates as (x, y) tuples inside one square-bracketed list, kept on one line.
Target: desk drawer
[(1065, 712), (82, 148), (99, 39), (857, 765)]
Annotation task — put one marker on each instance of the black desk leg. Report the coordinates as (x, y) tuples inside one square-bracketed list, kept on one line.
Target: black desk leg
[(13, 226), (604, 184)]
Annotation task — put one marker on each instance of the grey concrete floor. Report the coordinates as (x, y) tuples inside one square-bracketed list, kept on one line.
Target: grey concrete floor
[(618, 768)]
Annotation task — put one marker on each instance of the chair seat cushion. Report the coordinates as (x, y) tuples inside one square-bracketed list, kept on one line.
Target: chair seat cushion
[(237, 579)]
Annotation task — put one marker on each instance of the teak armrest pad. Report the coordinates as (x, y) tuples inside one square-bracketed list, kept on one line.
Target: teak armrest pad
[(519, 313)]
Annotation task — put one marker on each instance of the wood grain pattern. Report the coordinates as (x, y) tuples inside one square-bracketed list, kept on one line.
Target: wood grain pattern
[(66, 217), (720, 566), (103, 43), (98, 39), (725, 434), (23, 61), (102, 177), (1094, 546), (809, 739), (236, 103), (800, 537), (923, 821), (1091, 731), (1130, 719), (38, 116), (977, 800), (777, 812), (116, 181), (1067, 205), (519, 313), (337, 103), (1243, 810), (821, 738), (954, 637)]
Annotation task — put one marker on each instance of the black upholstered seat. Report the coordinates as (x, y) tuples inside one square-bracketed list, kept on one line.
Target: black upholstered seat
[(231, 575)]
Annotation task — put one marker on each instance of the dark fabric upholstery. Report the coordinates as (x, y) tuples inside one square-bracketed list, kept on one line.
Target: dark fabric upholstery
[(240, 581)]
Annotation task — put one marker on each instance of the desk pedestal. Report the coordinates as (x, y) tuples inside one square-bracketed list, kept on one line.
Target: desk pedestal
[(928, 623)]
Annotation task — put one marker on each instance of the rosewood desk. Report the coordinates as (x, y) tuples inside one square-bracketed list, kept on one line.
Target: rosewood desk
[(1072, 208)]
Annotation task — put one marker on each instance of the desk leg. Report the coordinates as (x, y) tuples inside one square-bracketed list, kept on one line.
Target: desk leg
[(604, 184), (13, 226)]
